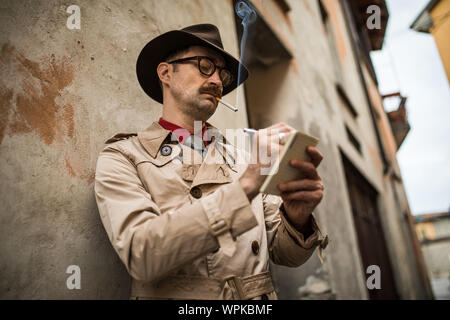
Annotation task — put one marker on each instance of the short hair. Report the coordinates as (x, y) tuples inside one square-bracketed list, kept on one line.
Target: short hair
[(172, 56)]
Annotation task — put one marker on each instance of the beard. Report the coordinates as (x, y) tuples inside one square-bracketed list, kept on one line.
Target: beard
[(196, 104)]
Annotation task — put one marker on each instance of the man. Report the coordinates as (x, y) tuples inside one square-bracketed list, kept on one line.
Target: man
[(189, 230)]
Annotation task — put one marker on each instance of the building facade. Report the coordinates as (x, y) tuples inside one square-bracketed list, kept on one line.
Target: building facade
[(435, 20), (433, 232), (66, 91)]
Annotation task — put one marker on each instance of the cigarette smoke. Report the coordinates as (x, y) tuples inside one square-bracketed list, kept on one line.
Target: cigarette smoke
[(248, 15)]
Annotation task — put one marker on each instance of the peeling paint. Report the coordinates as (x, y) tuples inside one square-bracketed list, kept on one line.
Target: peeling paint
[(77, 168), (68, 119), (34, 108), (69, 167)]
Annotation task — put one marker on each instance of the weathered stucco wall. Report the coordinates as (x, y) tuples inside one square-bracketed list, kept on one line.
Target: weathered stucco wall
[(64, 92)]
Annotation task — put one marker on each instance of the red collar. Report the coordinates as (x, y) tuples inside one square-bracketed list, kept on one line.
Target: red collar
[(182, 133)]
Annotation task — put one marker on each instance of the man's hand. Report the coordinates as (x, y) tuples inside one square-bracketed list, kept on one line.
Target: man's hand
[(300, 197), (266, 143)]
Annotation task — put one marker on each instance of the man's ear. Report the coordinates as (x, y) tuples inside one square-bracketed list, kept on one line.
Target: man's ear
[(163, 72)]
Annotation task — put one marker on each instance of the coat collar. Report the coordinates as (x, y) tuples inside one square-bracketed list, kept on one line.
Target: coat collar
[(154, 136)]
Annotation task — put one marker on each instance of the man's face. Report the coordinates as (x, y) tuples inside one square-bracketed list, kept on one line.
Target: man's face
[(195, 92)]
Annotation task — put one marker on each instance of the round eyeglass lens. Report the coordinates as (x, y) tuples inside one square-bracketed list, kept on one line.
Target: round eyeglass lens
[(206, 66)]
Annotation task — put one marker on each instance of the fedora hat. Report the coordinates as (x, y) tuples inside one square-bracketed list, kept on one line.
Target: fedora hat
[(159, 48)]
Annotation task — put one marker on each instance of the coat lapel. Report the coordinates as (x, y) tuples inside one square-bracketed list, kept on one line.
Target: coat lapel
[(213, 168)]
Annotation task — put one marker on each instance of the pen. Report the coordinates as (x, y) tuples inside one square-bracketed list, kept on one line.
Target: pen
[(248, 130), (253, 131)]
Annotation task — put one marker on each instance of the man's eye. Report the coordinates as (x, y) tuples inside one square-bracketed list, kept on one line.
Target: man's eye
[(206, 67)]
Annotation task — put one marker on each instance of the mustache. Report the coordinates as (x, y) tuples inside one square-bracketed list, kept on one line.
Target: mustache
[(214, 90)]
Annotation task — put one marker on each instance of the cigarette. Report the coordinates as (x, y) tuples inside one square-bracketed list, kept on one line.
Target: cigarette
[(227, 104)]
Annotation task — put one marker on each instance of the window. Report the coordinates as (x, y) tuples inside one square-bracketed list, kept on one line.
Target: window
[(268, 61), (353, 140), (345, 100), (284, 6)]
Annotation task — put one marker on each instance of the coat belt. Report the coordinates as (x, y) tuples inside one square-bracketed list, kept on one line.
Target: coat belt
[(205, 288)]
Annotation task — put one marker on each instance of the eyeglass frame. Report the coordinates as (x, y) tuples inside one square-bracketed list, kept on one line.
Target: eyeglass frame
[(198, 58)]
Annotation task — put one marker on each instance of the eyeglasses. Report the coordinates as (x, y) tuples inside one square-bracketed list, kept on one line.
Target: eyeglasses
[(207, 67)]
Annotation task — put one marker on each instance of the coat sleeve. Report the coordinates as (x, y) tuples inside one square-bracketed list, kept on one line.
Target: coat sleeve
[(287, 246), (152, 244)]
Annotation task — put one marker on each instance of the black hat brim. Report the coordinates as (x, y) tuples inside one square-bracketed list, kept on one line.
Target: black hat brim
[(160, 47)]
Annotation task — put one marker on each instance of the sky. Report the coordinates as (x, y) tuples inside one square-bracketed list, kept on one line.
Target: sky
[(409, 62)]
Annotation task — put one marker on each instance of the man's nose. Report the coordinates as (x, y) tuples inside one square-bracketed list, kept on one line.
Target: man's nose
[(215, 78)]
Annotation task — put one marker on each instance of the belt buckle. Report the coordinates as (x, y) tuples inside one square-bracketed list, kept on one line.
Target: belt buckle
[(238, 286)]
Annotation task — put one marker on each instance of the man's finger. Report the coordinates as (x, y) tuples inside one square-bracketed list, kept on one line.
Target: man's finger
[(301, 185), (313, 196), (277, 131), (306, 168), (315, 155), (280, 126)]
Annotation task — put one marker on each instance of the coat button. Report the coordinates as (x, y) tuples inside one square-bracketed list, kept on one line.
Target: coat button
[(196, 192), (166, 150), (255, 247)]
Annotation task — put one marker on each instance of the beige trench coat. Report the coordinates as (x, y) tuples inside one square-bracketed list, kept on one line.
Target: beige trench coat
[(187, 230)]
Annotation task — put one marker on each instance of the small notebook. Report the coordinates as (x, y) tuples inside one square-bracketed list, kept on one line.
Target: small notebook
[(294, 148)]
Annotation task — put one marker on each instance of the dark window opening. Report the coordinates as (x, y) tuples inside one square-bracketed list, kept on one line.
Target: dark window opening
[(346, 101), (353, 140), (285, 7), (323, 13)]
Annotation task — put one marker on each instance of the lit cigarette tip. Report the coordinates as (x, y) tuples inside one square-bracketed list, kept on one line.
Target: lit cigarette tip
[(227, 104)]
